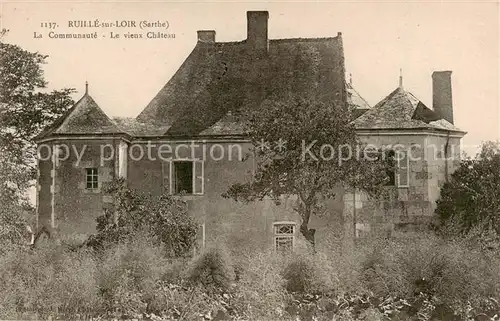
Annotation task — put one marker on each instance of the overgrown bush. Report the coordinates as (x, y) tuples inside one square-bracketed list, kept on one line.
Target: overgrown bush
[(14, 220), (378, 271), (212, 270), (344, 262), (470, 198), (174, 302), (424, 278), (48, 280), (163, 217), (308, 273), (260, 289), (453, 273), (128, 275)]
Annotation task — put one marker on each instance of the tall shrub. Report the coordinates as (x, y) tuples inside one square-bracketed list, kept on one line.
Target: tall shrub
[(163, 217), (260, 290), (212, 270), (308, 273), (450, 271), (129, 274), (470, 199)]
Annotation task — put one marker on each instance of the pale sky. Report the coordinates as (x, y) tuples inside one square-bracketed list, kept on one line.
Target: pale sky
[(379, 38)]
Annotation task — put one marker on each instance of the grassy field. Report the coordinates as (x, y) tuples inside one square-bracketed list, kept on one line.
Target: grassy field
[(426, 278)]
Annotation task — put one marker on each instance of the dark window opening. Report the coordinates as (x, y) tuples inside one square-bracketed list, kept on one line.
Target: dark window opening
[(92, 178), (183, 177), (390, 158)]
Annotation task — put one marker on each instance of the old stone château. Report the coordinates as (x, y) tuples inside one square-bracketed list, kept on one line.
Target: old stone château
[(199, 105)]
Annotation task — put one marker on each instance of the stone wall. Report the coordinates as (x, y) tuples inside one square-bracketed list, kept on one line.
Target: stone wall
[(66, 204), (401, 210)]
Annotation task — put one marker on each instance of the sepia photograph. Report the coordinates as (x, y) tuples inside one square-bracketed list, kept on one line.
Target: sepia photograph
[(250, 160)]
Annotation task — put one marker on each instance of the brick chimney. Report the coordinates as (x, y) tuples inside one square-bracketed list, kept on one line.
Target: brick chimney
[(207, 36), (257, 31), (442, 100)]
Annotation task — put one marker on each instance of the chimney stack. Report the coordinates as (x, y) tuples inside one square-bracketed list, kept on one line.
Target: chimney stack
[(442, 100), (207, 36), (257, 31)]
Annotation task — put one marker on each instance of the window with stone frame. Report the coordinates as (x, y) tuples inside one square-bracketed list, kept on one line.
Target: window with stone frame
[(284, 236), (92, 178), (398, 170), (403, 169)]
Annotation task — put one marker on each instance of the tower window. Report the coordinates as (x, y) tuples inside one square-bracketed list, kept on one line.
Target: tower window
[(92, 178), (391, 171), (398, 168)]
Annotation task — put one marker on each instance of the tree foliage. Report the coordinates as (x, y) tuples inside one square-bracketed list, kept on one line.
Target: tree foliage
[(308, 149), (14, 215), (471, 199), (163, 217), (25, 109)]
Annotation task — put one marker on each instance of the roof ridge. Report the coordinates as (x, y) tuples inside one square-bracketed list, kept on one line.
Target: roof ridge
[(386, 98), (57, 122), (304, 39), (230, 42), (406, 96), (351, 87), (408, 93)]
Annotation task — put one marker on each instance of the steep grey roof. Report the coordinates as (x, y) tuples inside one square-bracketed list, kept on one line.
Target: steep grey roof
[(227, 125), (220, 77), (402, 110), (85, 118), (133, 127), (217, 79)]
